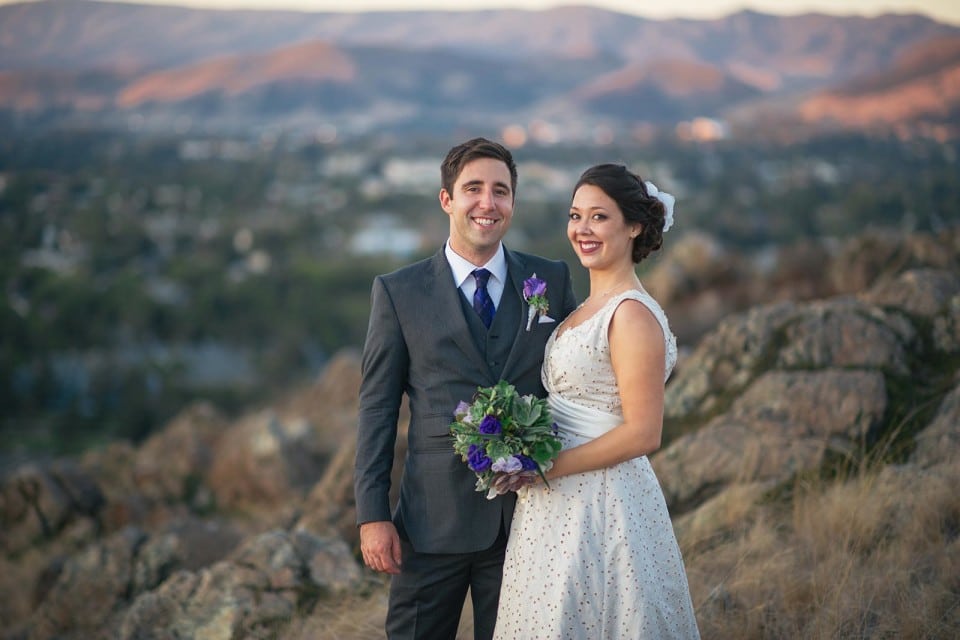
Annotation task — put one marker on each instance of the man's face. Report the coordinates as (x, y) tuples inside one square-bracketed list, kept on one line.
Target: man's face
[(480, 209)]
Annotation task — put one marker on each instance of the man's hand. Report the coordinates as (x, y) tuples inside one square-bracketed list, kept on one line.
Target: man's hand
[(380, 546)]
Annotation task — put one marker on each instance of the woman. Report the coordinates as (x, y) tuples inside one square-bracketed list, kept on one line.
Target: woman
[(594, 554)]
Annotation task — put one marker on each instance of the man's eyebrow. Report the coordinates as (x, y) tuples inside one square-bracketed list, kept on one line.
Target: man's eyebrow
[(474, 183)]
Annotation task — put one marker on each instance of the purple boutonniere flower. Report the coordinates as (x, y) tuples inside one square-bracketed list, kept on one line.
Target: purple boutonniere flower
[(534, 287), (535, 293)]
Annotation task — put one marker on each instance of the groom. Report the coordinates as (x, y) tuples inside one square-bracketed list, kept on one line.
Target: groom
[(439, 329)]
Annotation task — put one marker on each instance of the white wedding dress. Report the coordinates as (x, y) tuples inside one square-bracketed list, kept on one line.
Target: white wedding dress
[(594, 557)]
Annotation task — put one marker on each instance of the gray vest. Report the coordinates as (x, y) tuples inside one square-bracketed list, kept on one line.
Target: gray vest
[(496, 342)]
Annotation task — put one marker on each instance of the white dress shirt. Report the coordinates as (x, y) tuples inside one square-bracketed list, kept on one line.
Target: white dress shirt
[(463, 273)]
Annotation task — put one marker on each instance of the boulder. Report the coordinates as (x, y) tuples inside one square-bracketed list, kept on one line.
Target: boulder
[(785, 423), (940, 441), (253, 593)]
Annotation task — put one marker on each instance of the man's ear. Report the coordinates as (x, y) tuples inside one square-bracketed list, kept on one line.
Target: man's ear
[(445, 200)]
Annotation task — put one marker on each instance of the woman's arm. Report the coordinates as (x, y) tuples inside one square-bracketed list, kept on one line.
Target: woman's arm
[(637, 353)]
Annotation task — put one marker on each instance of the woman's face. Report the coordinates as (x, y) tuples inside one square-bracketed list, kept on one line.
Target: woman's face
[(599, 233)]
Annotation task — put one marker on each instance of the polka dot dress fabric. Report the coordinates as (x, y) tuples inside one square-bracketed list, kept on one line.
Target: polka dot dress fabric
[(594, 557)]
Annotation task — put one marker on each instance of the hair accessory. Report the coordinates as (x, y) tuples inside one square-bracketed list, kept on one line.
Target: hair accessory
[(667, 200)]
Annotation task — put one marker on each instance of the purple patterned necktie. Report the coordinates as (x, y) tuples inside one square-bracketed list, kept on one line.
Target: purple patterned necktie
[(482, 302)]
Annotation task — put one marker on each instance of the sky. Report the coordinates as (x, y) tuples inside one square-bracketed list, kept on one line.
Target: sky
[(944, 10)]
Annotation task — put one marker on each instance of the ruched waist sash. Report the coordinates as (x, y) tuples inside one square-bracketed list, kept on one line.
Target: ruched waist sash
[(579, 421)]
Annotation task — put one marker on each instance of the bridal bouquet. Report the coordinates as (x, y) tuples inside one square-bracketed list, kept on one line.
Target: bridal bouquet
[(502, 435)]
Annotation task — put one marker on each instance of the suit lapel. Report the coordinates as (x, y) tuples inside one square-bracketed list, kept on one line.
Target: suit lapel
[(516, 274), (440, 290)]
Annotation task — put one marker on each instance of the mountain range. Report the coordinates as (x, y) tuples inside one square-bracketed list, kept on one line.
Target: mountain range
[(67, 60)]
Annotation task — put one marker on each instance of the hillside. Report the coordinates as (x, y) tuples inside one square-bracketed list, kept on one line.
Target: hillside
[(90, 62), (922, 83), (810, 464)]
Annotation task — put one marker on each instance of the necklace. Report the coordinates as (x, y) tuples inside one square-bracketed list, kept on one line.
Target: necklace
[(603, 294), (562, 329)]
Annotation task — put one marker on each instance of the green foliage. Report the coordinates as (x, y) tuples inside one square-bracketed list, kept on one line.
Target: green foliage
[(525, 428), (122, 256)]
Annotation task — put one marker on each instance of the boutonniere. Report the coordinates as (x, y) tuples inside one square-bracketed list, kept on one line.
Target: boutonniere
[(535, 293)]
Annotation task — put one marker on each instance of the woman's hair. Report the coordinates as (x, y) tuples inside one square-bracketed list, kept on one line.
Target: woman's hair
[(462, 154), (638, 206)]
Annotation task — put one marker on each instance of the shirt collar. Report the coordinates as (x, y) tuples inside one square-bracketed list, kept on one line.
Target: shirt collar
[(463, 268)]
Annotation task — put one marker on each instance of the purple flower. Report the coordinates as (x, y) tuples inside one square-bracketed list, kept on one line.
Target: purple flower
[(462, 412), (555, 428), (490, 426), (477, 459), (527, 463), (534, 286)]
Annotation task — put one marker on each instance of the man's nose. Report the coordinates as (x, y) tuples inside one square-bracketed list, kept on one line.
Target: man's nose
[(487, 201)]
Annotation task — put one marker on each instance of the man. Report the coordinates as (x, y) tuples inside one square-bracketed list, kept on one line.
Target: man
[(438, 331)]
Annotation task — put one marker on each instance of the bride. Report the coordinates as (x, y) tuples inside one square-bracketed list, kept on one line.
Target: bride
[(593, 555)]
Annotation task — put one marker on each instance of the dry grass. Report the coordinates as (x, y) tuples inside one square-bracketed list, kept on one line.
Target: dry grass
[(873, 556), (359, 617), (353, 617)]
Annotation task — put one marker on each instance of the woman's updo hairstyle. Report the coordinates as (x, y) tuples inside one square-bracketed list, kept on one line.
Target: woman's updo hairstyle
[(638, 206)]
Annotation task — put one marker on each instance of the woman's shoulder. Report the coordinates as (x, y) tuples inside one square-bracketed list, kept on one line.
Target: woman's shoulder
[(644, 301), (637, 311)]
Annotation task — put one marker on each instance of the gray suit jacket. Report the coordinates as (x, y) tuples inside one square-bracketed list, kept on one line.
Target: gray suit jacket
[(419, 343)]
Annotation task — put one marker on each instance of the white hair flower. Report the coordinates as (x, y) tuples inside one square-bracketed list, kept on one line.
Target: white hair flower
[(667, 200)]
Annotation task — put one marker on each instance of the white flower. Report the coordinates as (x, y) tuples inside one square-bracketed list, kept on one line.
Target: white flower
[(507, 465), (667, 200)]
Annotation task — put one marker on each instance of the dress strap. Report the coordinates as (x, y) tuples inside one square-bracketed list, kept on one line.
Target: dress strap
[(669, 340)]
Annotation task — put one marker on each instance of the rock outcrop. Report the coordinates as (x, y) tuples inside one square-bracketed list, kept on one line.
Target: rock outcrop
[(785, 388), (220, 528)]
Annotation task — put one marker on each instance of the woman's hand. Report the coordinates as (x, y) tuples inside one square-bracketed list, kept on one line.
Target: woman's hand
[(504, 482)]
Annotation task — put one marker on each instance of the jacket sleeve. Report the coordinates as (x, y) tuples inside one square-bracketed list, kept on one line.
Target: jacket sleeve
[(384, 367)]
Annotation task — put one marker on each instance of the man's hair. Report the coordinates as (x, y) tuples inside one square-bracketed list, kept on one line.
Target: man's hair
[(462, 154)]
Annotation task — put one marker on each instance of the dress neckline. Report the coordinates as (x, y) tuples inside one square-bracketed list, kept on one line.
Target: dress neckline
[(562, 331)]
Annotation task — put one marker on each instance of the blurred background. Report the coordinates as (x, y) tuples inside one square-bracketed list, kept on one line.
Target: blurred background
[(194, 200), (195, 197)]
